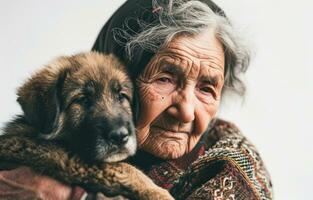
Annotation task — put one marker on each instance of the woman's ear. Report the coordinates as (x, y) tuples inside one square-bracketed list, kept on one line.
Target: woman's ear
[(41, 98)]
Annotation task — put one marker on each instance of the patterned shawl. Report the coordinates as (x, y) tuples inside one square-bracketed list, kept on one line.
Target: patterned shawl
[(224, 165)]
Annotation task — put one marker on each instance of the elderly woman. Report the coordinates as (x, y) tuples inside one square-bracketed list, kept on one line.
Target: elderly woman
[(182, 56)]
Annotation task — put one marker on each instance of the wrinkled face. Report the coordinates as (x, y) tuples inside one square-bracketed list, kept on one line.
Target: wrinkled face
[(96, 115), (180, 92)]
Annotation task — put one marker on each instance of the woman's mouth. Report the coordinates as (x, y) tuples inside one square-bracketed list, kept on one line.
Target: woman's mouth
[(169, 133)]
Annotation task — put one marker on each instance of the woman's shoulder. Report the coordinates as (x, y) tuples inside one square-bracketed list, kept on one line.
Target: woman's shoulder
[(218, 130), (231, 167)]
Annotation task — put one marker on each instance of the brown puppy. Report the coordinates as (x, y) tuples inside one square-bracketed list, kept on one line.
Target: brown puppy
[(82, 101), (77, 116)]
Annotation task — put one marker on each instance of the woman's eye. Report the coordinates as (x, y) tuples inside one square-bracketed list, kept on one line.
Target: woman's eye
[(164, 80), (206, 92), (164, 84), (206, 89)]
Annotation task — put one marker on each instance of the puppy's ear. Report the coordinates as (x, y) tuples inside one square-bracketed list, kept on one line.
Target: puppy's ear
[(41, 99)]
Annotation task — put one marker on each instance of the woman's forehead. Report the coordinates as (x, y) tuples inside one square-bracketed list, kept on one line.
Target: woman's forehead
[(195, 56), (201, 49)]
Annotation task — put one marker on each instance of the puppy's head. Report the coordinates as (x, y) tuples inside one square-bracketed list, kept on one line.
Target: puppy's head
[(84, 102)]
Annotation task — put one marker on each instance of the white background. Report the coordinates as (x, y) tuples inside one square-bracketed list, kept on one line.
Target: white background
[(277, 112)]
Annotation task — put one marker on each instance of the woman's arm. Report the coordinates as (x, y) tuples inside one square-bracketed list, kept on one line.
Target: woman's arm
[(24, 183)]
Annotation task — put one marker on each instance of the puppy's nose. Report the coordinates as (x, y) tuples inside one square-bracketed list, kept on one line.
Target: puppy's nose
[(119, 136)]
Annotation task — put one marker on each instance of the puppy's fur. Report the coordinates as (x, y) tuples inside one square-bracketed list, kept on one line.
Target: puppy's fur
[(77, 119), (82, 102)]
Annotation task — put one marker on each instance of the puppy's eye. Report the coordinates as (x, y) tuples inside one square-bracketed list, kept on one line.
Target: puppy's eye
[(122, 97), (82, 100)]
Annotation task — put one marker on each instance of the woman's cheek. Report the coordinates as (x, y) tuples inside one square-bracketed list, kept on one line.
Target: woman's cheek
[(152, 100), (152, 104), (204, 115)]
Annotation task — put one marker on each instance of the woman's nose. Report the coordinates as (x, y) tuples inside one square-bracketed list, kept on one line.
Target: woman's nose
[(184, 105)]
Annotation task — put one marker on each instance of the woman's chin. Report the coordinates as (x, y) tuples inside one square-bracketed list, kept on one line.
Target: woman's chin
[(167, 150)]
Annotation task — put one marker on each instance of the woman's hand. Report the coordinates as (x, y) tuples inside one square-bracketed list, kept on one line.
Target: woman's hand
[(24, 183)]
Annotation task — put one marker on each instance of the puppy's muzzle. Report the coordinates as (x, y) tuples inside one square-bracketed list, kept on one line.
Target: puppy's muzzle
[(118, 140), (119, 136)]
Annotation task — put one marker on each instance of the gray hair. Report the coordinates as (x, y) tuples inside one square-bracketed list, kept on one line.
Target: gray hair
[(190, 18)]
